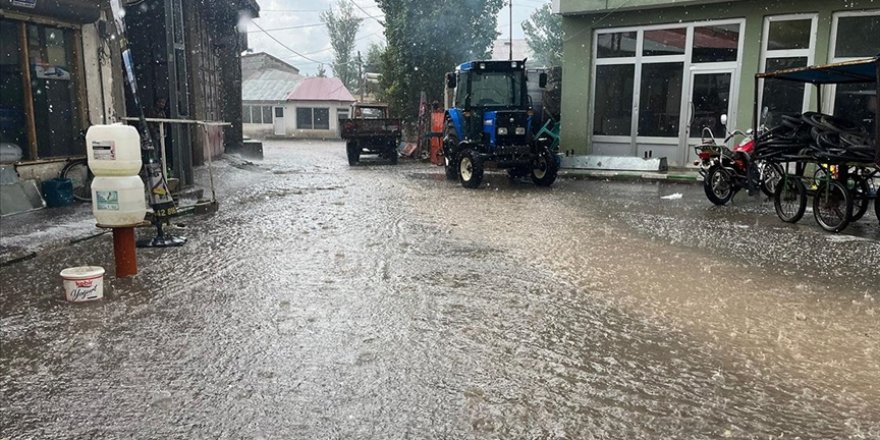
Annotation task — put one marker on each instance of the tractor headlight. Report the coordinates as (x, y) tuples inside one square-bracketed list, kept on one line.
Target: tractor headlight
[(520, 130), (502, 131)]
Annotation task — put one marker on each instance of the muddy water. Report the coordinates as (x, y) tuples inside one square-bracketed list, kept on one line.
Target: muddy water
[(379, 302)]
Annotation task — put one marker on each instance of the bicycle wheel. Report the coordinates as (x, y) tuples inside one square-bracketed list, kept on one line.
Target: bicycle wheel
[(860, 192), (790, 199), (832, 206), (771, 174), (79, 174)]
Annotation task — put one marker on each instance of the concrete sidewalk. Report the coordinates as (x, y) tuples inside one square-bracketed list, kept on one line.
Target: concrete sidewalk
[(673, 175), (26, 235)]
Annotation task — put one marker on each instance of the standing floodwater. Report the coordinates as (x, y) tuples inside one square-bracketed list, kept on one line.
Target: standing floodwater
[(377, 301)]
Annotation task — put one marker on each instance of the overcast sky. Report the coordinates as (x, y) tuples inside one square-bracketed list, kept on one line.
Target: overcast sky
[(297, 24)]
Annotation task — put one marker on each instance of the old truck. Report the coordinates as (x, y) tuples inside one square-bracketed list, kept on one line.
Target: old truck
[(491, 123), (370, 131)]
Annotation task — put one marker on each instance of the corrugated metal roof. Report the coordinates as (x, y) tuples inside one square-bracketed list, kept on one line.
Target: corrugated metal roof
[(321, 89), (269, 85)]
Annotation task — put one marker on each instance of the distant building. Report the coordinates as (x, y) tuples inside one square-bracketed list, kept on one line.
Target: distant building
[(266, 83), (521, 49), (314, 108)]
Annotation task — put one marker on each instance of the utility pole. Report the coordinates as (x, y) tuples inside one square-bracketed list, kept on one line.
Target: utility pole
[(510, 3), (361, 77)]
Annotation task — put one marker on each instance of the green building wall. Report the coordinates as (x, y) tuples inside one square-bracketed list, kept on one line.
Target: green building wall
[(595, 14)]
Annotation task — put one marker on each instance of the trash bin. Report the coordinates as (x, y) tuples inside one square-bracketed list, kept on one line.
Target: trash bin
[(58, 192)]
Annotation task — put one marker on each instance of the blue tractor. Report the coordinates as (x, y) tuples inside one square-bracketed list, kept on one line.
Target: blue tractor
[(491, 125)]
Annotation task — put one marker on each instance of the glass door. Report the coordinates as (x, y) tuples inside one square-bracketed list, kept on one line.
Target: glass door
[(709, 98)]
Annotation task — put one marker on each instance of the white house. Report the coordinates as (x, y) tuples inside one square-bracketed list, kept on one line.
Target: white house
[(314, 108), (266, 83)]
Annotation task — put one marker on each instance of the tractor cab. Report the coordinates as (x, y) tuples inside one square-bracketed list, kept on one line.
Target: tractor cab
[(490, 123), (491, 104)]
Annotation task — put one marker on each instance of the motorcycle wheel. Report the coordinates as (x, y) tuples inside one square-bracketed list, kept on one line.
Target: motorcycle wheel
[(832, 206), (771, 175), (790, 199), (718, 185)]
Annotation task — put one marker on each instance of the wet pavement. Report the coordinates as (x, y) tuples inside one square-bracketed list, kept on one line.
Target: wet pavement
[(324, 301)]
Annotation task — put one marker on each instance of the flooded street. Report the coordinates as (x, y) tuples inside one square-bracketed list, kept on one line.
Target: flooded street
[(328, 301)]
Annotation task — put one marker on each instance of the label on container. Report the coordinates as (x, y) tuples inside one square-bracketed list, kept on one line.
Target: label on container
[(104, 150), (107, 200)]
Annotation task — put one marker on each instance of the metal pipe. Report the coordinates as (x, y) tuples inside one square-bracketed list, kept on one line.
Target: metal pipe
[(124, 252)]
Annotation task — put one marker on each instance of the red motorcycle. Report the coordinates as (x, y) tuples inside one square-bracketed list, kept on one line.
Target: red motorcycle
[(727, 171)]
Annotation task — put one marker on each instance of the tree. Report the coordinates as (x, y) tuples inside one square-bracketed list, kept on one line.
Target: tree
[(373, 63), (426, 39), (343, 27), (322, 72), (543, 32)]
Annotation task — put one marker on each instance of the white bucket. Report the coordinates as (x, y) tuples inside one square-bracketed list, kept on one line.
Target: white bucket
[(84, 283)]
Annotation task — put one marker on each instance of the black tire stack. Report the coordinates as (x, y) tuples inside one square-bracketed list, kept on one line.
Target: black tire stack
[(843, 152)]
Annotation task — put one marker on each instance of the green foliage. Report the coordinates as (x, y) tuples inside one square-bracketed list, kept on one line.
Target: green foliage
[(543, 32), (322, 72), (426, 39), (343, 27), (373, 63)]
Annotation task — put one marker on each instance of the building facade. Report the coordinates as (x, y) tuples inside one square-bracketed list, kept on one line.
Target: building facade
[(643, 77), (314, 108), (60, 72), (266, 83)]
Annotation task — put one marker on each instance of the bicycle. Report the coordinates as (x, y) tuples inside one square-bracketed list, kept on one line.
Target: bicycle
[(77, 170)]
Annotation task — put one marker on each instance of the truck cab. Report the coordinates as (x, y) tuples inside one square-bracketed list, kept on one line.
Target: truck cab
[(491, 125)]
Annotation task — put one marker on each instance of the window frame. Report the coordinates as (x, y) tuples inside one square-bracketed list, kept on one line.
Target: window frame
[(312, 113), (81, 110), (809, 53), (634, 139), (829, 94)]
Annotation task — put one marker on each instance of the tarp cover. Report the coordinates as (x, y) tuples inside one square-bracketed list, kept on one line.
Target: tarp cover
[(858, 71)]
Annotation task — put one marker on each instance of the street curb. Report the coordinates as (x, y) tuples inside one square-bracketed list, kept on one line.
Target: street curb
[(18, 257), (624, 176)]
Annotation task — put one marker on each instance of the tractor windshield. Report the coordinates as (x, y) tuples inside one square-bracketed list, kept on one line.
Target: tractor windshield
[(496, 89)]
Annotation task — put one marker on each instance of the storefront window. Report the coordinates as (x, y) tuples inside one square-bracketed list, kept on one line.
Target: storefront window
[(267, 114), (783, 97), (52, 90), (660, 99), (616, 45), (858, 36), (665, 42), (789, 34), (717, 43), (614, 97), (246, 114), (788, 43), (12, 110)]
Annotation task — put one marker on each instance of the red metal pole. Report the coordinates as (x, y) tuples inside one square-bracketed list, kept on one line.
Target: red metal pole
[(124, 252)]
